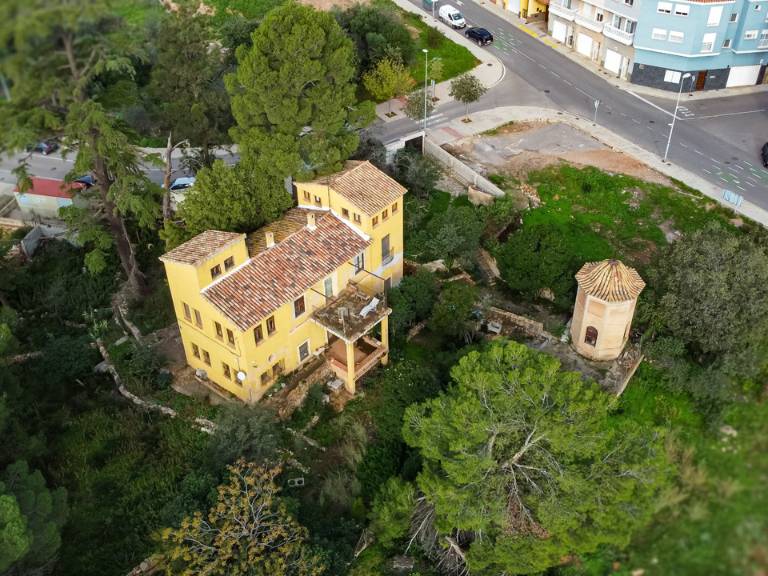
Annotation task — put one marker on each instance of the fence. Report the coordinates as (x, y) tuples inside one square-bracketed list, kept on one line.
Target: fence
[(460, 171)]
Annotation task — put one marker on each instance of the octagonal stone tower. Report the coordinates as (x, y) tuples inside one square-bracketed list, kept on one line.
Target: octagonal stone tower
[(605, 305)]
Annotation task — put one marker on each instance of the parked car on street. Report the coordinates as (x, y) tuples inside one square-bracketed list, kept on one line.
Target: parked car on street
[(86, 181), (44, 147), (451, 16), (764, 154), (182, 183), (479, 35)]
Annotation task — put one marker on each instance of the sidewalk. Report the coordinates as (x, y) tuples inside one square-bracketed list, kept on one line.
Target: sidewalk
[(489, 119), (490, 71), (538, 31)]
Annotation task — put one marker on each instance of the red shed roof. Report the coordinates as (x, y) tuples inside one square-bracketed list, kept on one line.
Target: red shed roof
[(50, 187)]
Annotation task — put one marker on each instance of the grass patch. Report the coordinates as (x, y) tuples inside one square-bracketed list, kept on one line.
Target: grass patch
[(455, 59), (250, 9), (138, 12)]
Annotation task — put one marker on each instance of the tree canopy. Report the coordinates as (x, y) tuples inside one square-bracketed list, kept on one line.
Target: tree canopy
[(387, 79), (529, 457), (467, 89), (293, 94), (249, 532)]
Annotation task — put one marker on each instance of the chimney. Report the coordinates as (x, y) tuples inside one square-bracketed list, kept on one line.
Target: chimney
[(270, 239), (311, 223)]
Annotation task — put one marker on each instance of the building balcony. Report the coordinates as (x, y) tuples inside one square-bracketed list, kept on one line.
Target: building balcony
[(617, 34), (562, 11), (367, 352), (589, 23)]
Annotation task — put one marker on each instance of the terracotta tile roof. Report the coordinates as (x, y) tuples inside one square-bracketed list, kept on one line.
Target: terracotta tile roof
[(50, 187), (365, 186), (292, 221), (284, 272), (201, 247), (610, 280)]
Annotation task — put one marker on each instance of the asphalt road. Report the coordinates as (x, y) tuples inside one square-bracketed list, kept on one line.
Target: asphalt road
[(718, 139)]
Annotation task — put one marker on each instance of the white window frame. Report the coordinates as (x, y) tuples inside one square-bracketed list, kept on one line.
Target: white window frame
[(298, 351), (708, 42), (664, 8), (672, 76), (733, 18), (659, 33), (750, 35), (682, 9), (676, 37), (715, 15)]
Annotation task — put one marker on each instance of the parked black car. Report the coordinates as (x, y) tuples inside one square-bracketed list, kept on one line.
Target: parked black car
[(479, 35), (764, 154), (45, 147)]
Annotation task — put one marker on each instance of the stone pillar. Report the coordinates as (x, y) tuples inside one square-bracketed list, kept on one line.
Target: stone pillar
[(350, 383), (385, 339)]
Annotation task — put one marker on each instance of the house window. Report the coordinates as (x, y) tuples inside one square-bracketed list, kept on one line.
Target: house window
[(216, 271), (278, 368), (394, 208), (359, 262), (672, 76), (357, 218), (230, 337), (629, 2), (258, 334), (676, 37), (629, 26), (763, 39), (195, 351), (265, 378), (271, 325), (659, 34), (385, 215), (198, 319), (682, 9), (345, 213), (599, 16), (328, 286), (307, 195), (298, 307), (386, 252), (229, 263), (758, 7), (187, 312), (591, 336), (219, 331), (708, 42), (664, 8), (304, 351), (227, 371), (727, 43), (715, 14), (375, 221), (206, 357), (318, 201), (734, 16), (750, 34)]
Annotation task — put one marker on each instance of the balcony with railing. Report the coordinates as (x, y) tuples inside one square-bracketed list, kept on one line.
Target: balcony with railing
[(618, 34), (588, 23), (562, 11)]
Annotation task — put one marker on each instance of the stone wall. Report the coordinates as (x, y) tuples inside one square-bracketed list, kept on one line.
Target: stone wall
[(514, 323)]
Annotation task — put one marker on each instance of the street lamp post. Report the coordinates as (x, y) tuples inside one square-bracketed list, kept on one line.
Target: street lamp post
[(674, 115), (426, 65)]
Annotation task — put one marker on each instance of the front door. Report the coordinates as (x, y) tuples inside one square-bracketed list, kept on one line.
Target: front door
[(701, 79)]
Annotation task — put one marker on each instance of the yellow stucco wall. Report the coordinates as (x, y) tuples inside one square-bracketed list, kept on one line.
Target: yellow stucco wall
[(282, 347)]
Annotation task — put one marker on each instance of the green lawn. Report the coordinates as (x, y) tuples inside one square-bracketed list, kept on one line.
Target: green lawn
[(138, 12), (455, 58)]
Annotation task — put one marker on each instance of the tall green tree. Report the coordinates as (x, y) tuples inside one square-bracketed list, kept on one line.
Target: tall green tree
[(62, 57), (387, 79), (248, 532), (44, 512), (293, 95), (524, 465), (451, 313), (187, 83)]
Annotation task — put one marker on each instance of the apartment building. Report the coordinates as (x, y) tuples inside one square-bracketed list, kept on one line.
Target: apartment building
[(719, 44), (601, 30), (659, 43), (253, 307)]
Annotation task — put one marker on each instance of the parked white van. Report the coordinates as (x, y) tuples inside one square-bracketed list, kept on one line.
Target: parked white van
[(451, 16)]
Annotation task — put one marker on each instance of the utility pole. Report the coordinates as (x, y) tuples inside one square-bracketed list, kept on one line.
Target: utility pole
[(426, 66), (674, 115)]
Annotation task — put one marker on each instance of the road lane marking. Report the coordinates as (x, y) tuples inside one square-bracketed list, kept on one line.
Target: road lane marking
[(659, 108), (698, 152), (566, 81), (740, 188), (715, 161), (707, 171), (554, 73), (683, 144), (731, 114), (635, 121)]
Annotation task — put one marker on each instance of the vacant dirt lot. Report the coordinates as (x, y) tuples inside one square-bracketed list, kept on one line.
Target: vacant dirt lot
[(519, 148)]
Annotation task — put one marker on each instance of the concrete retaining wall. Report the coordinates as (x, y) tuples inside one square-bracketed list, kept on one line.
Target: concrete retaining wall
[(460, 171)]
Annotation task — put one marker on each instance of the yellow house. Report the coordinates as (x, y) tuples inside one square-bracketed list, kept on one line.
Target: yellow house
[(312, 283)]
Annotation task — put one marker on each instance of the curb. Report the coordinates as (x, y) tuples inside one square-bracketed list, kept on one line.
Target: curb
[(614, 142)]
